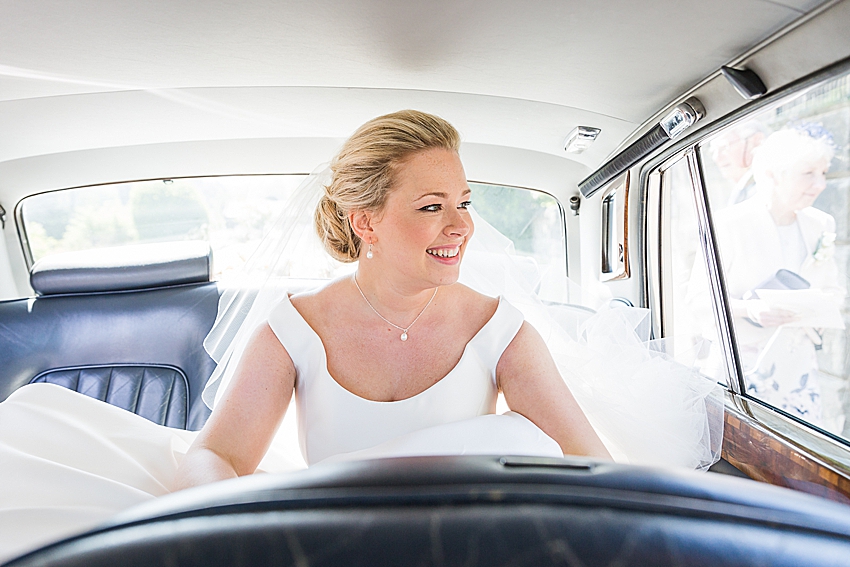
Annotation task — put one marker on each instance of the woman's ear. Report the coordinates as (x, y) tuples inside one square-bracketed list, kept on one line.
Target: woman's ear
[(361, 224)]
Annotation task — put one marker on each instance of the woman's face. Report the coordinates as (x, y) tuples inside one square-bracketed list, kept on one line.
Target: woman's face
[(800, 184), (425, 226)]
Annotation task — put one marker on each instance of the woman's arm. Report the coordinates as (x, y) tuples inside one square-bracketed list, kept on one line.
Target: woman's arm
[(533, 387), (241, 428)]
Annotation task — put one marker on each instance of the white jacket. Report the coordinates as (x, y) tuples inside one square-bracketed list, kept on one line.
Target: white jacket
[(751, 252)]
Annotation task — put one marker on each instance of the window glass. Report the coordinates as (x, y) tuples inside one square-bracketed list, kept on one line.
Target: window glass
[(534, 222), (689, 322), (778, 185), (233, 213)]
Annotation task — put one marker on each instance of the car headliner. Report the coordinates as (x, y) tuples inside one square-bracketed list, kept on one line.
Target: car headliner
[(109, 73)]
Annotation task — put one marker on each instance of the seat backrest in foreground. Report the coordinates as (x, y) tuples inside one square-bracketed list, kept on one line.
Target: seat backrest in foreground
[(468, 511)]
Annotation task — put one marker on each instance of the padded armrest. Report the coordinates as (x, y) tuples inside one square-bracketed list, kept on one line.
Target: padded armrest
[(140, 266)]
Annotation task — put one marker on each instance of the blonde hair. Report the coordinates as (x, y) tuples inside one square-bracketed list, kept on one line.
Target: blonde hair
[(786, 147), (364, 172)]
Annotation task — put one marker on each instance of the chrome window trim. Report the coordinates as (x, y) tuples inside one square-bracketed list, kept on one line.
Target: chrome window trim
[(614, 264), (716, 279), (23, 239), (831, 449), (650, 224), (654, 252), (566, 234)]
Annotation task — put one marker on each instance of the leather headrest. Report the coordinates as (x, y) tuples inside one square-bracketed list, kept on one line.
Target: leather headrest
[(135, 267)]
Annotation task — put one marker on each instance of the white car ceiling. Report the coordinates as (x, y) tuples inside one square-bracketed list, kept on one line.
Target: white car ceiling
[(93, 74)]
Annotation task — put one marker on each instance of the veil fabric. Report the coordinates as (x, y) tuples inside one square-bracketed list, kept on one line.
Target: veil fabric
[(289, 259), (647, 407)]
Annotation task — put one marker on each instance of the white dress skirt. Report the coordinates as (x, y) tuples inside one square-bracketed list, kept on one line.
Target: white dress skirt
[(69, 462)]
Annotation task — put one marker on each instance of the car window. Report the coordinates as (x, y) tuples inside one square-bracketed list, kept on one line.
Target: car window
[(778, 185), (534, 221), (689, 322), (233, 213)]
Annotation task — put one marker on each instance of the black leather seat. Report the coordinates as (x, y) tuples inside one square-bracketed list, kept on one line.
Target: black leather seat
[(469, 511), (126, 328)]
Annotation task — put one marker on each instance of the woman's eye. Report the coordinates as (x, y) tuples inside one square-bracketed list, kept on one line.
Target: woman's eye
[(438, 207)]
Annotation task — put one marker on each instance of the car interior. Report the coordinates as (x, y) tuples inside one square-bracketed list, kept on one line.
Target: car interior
[(151, 316), (146, 149)]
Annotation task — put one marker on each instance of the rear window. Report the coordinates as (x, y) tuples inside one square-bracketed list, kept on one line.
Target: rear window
[(233, 213)]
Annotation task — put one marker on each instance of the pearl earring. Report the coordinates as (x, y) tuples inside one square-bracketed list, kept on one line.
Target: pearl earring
[(369, 252)]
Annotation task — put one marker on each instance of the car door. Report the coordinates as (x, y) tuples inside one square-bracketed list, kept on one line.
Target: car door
[(748, 248)]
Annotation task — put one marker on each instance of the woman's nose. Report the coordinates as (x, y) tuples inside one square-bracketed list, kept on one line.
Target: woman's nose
[(458, 223)]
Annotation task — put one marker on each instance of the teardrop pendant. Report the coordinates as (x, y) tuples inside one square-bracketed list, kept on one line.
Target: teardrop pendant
[(404, 336)]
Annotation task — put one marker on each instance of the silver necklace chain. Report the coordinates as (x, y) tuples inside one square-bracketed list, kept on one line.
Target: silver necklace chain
[(402, 329)]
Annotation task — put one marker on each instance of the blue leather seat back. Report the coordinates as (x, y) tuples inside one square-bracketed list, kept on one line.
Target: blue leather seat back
[(151, 328), (157, 393)]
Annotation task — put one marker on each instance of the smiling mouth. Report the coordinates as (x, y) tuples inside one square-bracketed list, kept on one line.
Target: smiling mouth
[(444, 252)]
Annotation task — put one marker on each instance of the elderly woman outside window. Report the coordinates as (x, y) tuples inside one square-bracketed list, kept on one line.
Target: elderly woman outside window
[(781, 278)]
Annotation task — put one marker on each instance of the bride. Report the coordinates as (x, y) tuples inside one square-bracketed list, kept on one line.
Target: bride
[(399, 358), (384, 339)]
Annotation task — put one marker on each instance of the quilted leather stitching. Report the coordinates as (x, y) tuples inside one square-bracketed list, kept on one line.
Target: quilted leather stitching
[(157, 393)]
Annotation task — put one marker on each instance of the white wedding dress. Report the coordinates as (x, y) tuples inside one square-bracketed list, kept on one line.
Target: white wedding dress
[(449, 418), (69, 462)]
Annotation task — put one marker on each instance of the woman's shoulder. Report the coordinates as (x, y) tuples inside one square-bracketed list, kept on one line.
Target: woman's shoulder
[(318, 295), (821, 217), (322, 305), (494, 320), (469, 307), (754, 206), (474, 299)]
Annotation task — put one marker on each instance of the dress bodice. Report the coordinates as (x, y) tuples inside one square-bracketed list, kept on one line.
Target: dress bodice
[(333, 420)]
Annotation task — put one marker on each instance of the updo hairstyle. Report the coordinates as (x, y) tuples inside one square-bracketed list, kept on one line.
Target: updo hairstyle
[(364, 172)]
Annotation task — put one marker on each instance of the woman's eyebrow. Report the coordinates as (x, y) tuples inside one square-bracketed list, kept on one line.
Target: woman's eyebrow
[(440, 194)]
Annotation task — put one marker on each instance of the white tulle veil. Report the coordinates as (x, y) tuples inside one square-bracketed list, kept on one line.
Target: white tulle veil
[(647, 407)]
